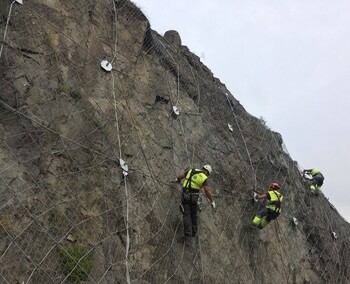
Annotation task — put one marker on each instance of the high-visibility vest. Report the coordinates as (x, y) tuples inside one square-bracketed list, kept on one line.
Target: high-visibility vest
[(314, 172), (275, 201), (197, 179)]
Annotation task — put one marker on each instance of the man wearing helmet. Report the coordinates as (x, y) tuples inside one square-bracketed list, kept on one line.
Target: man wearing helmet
[(193, 181), (272, 209), (317, 180)]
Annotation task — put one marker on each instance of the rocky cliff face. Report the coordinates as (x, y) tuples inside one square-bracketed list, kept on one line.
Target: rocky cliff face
[(71, 210)]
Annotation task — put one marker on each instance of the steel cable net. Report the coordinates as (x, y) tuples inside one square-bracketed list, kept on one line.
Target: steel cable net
[(88, 156)]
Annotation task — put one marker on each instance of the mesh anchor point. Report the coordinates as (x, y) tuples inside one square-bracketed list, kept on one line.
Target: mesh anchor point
[(295, 221), (106, 65), (176, 110), (230, 127), (334, 236)]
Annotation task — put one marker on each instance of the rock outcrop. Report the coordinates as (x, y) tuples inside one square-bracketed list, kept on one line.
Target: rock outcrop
[(87, 156)]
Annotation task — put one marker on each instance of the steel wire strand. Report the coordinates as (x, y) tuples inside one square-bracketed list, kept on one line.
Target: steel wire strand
[(248, 152), (159, 259), (272, 241), (282, 251), (145, 156), (192, 160), (6, 26), (245, 144), (54, 132), (44, 229), (243, 139), (232, 244), (334, 251), (243, 259), (221, 203), (68, 221), (126, 217), (201, 253), (325, 217), (279, 242)]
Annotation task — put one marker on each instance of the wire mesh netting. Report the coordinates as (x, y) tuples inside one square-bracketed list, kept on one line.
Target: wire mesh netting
[(87, 155)]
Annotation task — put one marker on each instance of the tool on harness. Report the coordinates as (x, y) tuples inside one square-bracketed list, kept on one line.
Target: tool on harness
[(307, 176)]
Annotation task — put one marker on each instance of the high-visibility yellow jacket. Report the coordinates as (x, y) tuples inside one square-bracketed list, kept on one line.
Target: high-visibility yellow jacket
[(315, 172), (196, 181), (275, 199)]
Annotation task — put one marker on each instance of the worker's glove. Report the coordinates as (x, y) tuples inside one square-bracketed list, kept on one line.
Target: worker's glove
[(255, 196), (213, 205)]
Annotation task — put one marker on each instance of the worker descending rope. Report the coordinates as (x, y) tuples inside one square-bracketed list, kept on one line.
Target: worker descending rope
[(317, 179), (273, 208), (194, 180)]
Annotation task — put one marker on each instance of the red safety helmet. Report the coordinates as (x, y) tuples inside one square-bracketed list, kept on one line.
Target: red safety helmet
[(275, 185)]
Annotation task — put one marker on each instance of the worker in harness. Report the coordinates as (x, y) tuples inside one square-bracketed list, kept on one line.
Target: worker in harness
[(193, 181), (317, 180), (272, 209)]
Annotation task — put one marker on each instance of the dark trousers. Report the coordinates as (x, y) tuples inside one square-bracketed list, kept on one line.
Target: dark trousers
[(264, 217), (268, 214), (189, 202)]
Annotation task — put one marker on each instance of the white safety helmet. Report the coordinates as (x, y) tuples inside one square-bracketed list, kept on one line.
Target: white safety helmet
[(208, 168)]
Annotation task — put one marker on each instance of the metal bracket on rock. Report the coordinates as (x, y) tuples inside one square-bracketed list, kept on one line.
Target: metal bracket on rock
[(176, 111), (124, 166), (106, 65), (230, 127), (295, 221), (334, 236)]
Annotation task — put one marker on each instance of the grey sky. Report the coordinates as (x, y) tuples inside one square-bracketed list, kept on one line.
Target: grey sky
[(287, 61)]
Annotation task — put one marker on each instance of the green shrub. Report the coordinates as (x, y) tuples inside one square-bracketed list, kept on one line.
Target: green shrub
[(76, 263), (75, 94), (62, 88), (66, 89)]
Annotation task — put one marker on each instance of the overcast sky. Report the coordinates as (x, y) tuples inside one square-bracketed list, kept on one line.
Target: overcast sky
[(287, 61)]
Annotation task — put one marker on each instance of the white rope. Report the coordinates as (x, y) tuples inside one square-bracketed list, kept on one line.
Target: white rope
[(7, 23), (245, 144), (127, 245)]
